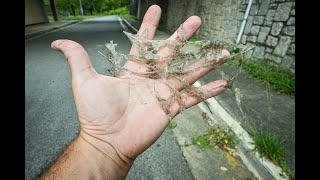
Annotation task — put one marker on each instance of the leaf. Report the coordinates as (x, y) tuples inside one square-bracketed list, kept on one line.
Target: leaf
[(222, 168)]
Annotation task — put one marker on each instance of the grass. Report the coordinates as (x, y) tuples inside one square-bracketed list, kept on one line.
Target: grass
[(119, 11), (172, 125), (194, 38), (216, 137), (281, 81), (122, 11), (269, 145), (67, 18)]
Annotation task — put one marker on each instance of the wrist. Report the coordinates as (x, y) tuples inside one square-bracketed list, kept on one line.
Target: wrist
[(105, 156)]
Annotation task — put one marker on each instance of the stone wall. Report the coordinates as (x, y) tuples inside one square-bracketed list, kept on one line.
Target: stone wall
[(220, 18), (270, 25)]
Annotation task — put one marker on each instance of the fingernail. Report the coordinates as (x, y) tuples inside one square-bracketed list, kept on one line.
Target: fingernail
[(152, 12)]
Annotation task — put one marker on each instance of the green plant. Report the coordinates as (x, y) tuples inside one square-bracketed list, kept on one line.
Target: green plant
[(269, 145), (194, 38), (66, 18), (282, 81), (119, 11), (172, 125), (216, 137)]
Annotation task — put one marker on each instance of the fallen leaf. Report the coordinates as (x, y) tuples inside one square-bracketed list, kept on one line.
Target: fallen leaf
[(223, 168)]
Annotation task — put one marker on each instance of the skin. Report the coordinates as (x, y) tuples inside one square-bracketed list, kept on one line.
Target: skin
[(120, 117)]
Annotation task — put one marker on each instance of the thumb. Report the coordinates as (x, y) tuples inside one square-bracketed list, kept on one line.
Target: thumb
[(76, 56)]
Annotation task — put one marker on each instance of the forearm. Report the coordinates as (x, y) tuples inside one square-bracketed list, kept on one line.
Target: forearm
[(82, 160)]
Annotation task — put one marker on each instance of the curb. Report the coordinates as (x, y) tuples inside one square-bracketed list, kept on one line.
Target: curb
[(262, 168), (132, 28), (28, 36)]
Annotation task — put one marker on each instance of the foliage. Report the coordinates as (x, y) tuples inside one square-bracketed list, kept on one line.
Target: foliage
[(118, 11), (216, 136), (280, 80), (269, 145), (172, 125), (91, 7)]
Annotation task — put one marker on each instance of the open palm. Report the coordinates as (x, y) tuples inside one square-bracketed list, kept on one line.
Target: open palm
[(124, 111)]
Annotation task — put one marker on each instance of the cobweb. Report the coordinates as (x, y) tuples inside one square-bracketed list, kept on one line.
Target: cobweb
[(178, 65)]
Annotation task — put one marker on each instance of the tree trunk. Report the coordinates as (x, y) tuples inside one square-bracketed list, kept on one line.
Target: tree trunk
[(133, 7), (73, 11)]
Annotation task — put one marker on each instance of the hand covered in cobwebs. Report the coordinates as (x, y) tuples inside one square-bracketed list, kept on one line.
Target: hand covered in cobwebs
[(125, 112)]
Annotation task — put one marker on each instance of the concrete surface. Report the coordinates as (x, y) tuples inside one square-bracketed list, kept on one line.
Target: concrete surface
[(206, 163)]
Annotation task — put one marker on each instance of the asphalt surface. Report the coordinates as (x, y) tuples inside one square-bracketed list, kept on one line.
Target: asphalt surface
[(50, 114)]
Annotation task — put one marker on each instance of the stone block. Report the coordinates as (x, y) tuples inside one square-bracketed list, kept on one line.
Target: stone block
[(268, 50), (252, 39), (253, 9), (249, 22), (291, 21), (273, 6), (282, 46), (273, 58), (270, 14), (258, 20), (283, 11), (276, 28), (267, 23), (243, 39), (271, 41), (287, 62), (289, 30), (255, 30), (264, 7), (291, 49), (258, 52), (263, 34)]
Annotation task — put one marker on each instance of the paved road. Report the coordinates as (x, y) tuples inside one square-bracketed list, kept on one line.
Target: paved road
[(50, 114)]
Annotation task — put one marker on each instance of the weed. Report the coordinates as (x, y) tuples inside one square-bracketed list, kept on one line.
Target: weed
[(172, 125), (194, 38), (282, 81), (269, 145), (216, 137)]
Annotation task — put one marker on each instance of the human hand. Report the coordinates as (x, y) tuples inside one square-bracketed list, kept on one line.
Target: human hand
[(123, 113)]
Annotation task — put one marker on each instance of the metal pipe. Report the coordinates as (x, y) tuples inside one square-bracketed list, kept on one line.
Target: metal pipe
[(81, 10), (246, 14), (139, 9)]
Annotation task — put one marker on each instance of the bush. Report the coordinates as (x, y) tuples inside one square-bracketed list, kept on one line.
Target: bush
[(118, 11)]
